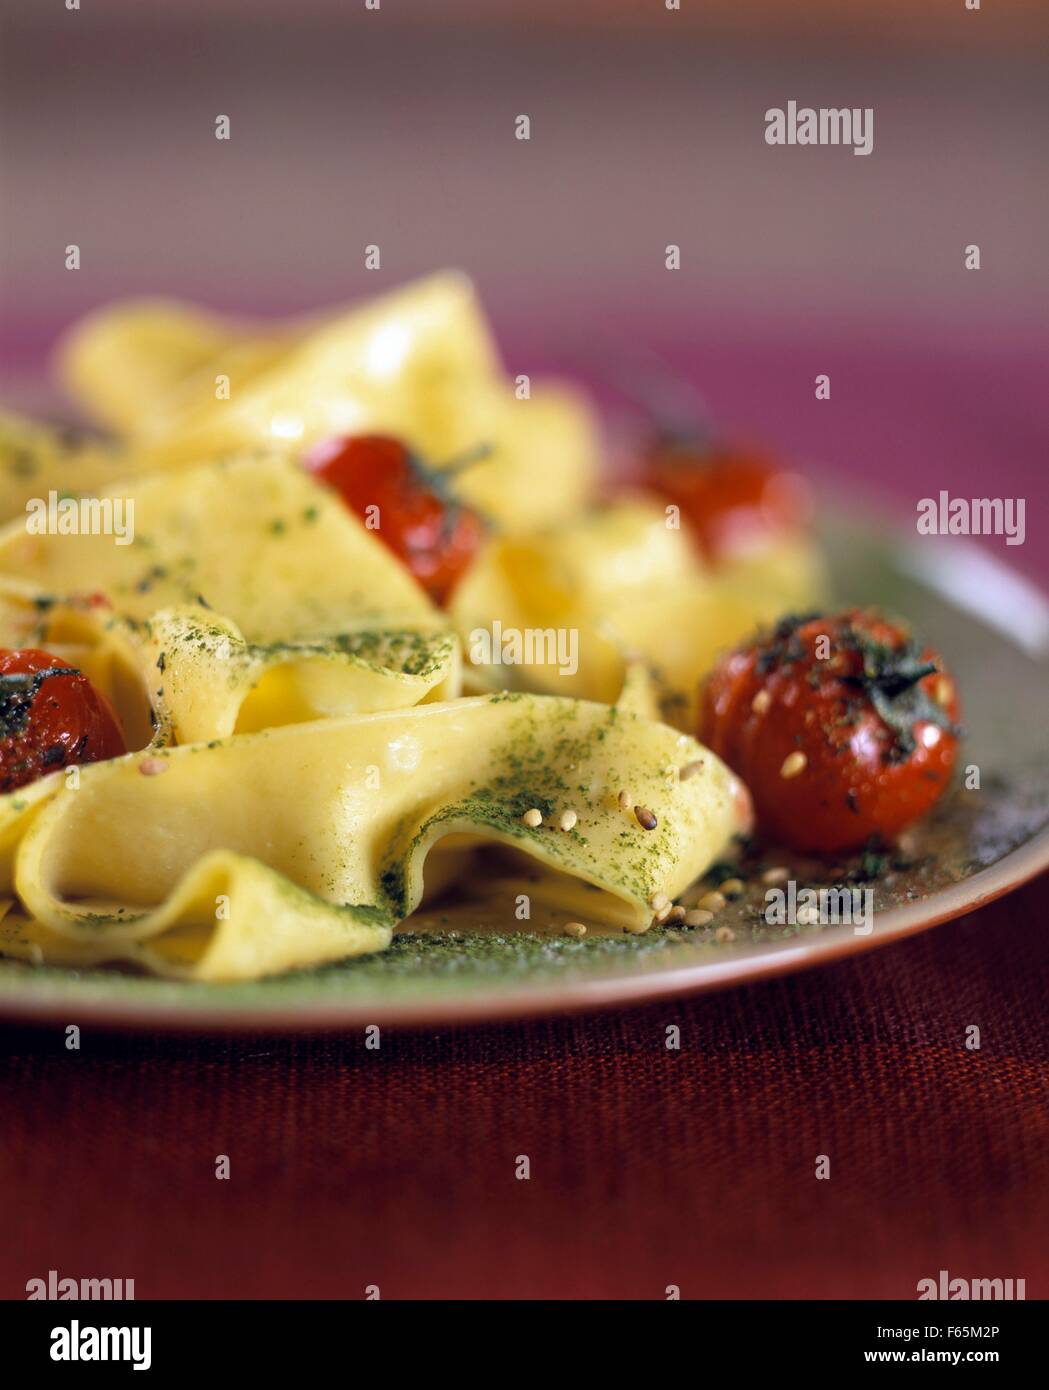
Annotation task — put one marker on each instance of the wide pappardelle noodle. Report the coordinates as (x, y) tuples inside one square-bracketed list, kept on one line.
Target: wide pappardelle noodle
[(333, 608)]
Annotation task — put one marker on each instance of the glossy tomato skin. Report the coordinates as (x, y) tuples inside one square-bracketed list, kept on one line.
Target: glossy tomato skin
[(50, 721), (814, 688), (731, 499), (418, 519)]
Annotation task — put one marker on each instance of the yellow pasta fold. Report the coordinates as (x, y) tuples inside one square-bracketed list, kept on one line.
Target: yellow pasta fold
[(125, 361), (419, 363), (567, 608), (307, 843), (248, 595), (37, 459)]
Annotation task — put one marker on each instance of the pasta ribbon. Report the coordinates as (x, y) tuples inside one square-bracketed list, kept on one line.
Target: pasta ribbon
[(628, 589), (281, 610), (419, 363), (38, 459), (307, 843)]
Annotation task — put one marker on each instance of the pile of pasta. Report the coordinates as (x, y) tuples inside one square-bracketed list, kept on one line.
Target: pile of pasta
[(314, 743)]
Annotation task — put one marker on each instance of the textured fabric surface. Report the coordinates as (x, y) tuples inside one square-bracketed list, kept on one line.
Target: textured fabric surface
[(649, 1167)]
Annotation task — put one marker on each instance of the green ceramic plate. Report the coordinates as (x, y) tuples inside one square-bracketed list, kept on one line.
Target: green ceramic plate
[(993, 630)]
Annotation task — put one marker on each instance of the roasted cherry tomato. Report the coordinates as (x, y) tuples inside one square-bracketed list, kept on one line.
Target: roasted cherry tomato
[(843, 727), (731, 499), (50, 716), (417, 515)]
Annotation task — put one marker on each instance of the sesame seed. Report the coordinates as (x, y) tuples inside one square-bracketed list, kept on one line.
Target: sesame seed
[(942, 691), (711, 902), (690, 769), (533, 818), (576, 929), (677, 914), (658, 900), (663, 913), (779, 874), (732, 887), (150, 767), (626, 801), (761, 702), (568, 820), (698, 917), (645, 818), (808, 916), (724, 935), (793, 763)]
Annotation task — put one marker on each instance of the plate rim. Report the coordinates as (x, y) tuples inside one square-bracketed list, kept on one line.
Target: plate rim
[(532, 1000)]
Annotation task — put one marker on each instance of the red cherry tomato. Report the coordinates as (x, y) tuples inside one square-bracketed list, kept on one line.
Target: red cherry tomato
[(731, 500), (843, 728), (418, 518), (50, 716)]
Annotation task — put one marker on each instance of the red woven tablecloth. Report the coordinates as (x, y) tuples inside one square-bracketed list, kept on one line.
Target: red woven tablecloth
[(649, 1167)]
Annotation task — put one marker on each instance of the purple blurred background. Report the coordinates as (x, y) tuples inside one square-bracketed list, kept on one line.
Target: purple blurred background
[(396, 126)]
